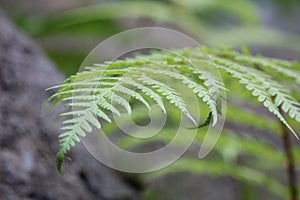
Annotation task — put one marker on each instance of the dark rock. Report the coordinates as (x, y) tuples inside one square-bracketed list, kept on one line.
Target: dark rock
[(28, 139)]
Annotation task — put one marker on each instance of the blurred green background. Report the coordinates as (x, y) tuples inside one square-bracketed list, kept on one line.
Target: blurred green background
[(249, 151), (68, 30)]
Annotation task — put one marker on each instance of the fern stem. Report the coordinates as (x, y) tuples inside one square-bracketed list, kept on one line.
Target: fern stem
[(291, 172), (287, 145)]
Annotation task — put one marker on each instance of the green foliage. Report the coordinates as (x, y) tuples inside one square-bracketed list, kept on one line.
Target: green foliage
[(213, 23), (181, 13), (103, 89)]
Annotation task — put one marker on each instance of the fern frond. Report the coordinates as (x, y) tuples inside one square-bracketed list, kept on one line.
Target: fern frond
[(154, 96), (113, 97), (254, 81), (133, 94), (201, 91), (289, 72), (281, 95), (94, 93), (169, 93)]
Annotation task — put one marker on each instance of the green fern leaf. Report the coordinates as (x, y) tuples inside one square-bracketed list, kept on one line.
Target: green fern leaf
[(169, 93), (94, 93)]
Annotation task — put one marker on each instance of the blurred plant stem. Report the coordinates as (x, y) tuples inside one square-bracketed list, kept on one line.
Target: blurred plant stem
[(291, 172), (290, 161)]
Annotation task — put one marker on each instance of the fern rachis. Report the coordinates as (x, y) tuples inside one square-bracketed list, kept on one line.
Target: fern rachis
[(94, 91)]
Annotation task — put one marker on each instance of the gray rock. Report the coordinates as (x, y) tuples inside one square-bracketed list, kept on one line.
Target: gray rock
[(28, 138)]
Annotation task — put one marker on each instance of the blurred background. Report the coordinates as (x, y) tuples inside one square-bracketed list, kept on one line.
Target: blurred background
[(68, 30), (248, 161)]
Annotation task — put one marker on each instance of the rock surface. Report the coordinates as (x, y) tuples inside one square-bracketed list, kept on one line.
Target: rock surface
[(28, 139)]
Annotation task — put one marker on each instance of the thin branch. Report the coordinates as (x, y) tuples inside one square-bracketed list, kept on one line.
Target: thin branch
[(292, 176)]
